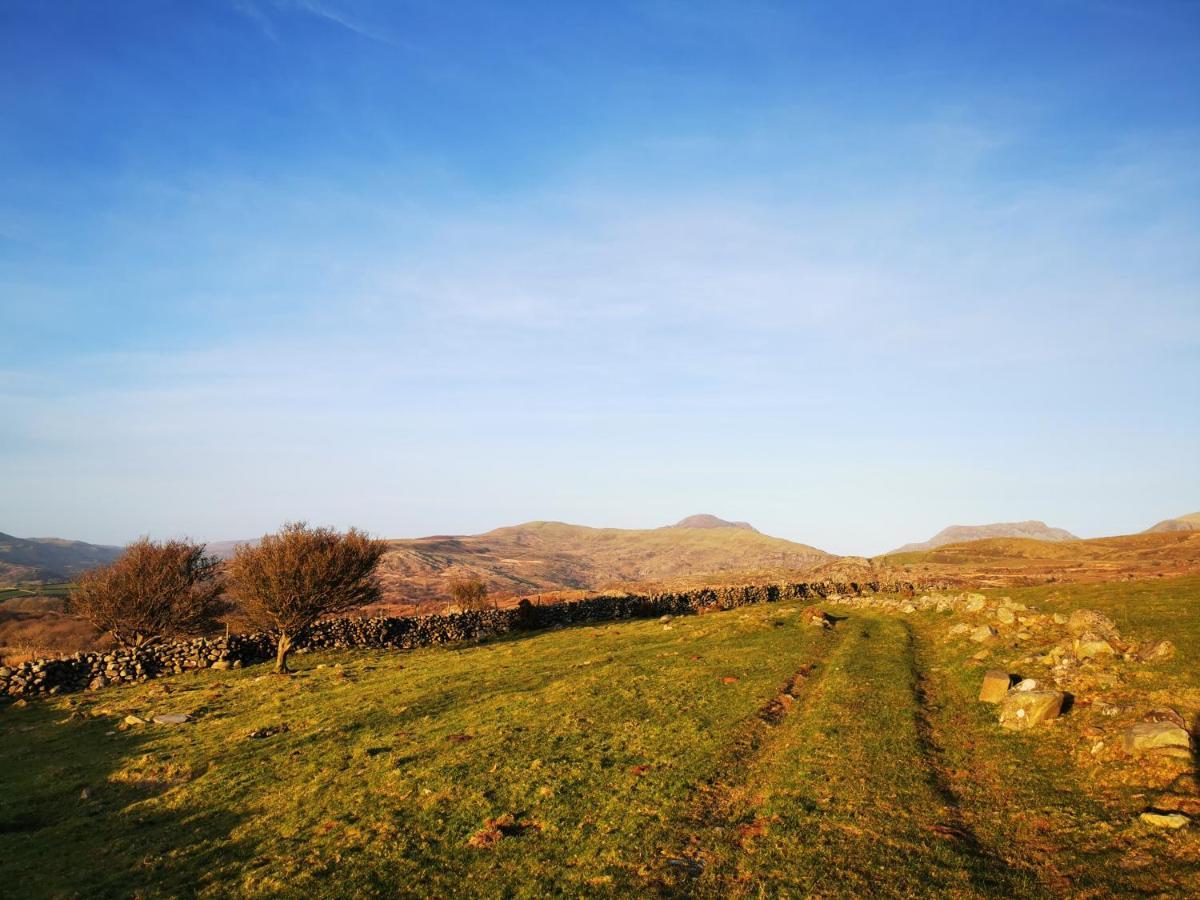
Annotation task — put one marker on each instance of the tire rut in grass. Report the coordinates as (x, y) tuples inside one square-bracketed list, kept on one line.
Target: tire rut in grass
[(954, 825), (845, 795), (723, 801)]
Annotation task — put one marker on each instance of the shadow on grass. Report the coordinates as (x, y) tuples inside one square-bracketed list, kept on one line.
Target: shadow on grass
[(71, 824)]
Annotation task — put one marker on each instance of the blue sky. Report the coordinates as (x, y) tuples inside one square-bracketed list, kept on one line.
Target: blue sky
[(849, 271)]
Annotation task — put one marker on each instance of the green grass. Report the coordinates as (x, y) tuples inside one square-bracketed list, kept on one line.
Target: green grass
[(632, 758), (57, 589)]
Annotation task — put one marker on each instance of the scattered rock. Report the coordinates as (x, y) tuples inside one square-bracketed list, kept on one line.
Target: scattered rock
[(960, 628), (172, 719), (994, 687), (1164, 820), (984, 633), (1159, 738), (1091, 646), (134, 720), (1165, 714), (1157, 650), (269, 731), (1082, 621), (1020, 710), (666, 618), (1005, 616), (1026, 684)]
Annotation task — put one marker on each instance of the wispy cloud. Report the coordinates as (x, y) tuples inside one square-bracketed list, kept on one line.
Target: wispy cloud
[(325, 11)]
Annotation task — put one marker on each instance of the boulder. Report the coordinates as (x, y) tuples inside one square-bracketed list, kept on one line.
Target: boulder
[(1082, 621), (1090, 645), (1020, 710), (1158, 738), (994, 687), (984, 633), (1164, 820)]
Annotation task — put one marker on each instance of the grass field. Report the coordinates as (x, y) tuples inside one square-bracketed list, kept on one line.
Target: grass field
[(732, 754), (55, 589)]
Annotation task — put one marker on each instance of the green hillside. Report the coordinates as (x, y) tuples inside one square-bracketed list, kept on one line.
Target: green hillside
[(729, 754)]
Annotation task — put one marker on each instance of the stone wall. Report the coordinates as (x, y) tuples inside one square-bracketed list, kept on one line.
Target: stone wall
[(91, 671)]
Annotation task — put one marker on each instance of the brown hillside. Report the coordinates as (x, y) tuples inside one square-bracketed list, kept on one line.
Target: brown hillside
[(548, 556), (1180, 523), (1022, 560)]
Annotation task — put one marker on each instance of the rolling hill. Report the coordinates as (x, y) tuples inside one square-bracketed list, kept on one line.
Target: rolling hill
[(550, 556), (1179, 523), (1028, 561), (49, 559), (958, 534)]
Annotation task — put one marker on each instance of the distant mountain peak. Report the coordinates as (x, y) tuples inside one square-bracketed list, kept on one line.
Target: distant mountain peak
[(1190, 522), (706, 520), (958, 534)]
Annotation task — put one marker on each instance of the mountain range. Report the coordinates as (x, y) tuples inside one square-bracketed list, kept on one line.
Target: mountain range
[(545, 557)]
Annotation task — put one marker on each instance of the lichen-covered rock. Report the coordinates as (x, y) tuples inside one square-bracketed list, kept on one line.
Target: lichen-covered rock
[(1082, 621), (1159, 739), (1090, 645), (1020, 710), (984, 633)]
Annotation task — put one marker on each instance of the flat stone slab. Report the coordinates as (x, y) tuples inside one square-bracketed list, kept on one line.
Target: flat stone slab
[(1020, 710), (172, 718), (994, 687)]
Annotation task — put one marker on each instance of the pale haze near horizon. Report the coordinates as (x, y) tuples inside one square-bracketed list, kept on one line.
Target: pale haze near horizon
[(851, 275)]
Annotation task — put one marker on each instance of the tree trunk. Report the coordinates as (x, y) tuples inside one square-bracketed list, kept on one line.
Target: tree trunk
[(283, 648)]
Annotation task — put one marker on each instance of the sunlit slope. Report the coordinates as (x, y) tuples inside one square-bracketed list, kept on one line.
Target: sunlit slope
[(547, 556)]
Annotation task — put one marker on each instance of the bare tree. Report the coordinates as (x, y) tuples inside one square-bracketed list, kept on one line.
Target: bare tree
[(468, 592), (290, 579), (153, 590)]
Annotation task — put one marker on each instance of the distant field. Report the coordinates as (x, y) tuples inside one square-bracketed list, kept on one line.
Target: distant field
[(631, 758), (58, 589)]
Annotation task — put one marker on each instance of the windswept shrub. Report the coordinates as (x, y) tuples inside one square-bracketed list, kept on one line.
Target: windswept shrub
[(290, 579), (468, 593), (152, 591)]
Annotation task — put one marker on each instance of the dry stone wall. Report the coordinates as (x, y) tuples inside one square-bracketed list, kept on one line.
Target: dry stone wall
[(92, 671)]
